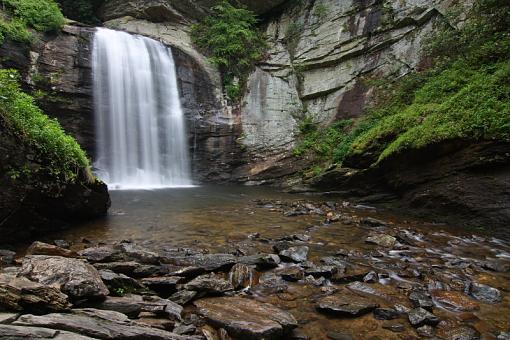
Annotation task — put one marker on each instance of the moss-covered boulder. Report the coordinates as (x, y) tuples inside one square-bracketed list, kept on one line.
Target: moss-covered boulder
[(45, 176)]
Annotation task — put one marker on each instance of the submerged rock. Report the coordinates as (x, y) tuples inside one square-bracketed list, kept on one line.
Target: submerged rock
[(76, 278), (485, 293), (372, 222), (348, 305), (246, 318), (454, 301)]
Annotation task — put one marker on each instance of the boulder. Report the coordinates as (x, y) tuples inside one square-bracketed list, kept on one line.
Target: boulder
[(347, 305), (98, 254), (21, 294), (41, 248), (76, 278), (419, 317), (382, 240), (295, 254), (116, 281), (210, 283), (246, 318)]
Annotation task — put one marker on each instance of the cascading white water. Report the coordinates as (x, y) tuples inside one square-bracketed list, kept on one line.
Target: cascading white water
[(140, 128)]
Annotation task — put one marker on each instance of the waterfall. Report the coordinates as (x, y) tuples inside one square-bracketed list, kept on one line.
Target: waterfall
[(140, 129)]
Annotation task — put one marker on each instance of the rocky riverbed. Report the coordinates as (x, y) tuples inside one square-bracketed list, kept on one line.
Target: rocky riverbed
[(388, 280)]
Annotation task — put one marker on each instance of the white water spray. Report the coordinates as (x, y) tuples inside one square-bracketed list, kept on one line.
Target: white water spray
[(140, 129)]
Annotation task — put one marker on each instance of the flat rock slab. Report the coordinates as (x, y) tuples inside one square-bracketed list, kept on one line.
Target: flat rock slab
[(19, 293), (246, 318), (345, 304), (206, 262), (22, 332), (76, 278), (97, 324)]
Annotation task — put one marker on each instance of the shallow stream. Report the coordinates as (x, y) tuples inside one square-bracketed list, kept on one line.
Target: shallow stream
[(245, 220)]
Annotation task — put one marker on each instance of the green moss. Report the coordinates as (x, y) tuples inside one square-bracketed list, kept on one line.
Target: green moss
[(320, 142), (231, 39), (466, 95), (63, 156)]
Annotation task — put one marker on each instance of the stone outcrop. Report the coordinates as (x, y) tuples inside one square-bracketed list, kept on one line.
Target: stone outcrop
[(457, 182), (321, 54), (34, 203)]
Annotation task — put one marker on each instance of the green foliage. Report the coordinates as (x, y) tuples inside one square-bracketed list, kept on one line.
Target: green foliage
[(466, 95), (321, 11), (42, 15), (81, 10), (24, 119), (14, 29), (230, 37), (322, 142)]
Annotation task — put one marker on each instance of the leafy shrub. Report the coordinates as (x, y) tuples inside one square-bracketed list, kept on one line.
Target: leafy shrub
[(322, 142), (230, 37), (14, 29), (42, 15), (24, 119)]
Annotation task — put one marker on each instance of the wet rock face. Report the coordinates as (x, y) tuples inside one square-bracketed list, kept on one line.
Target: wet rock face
[(246, 318), (318, 53)]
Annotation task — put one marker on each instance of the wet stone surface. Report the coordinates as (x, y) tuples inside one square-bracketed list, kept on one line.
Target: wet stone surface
[(282, 269)]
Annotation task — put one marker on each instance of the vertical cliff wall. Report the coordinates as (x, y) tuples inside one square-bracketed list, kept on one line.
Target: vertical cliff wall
[(321, 56)]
